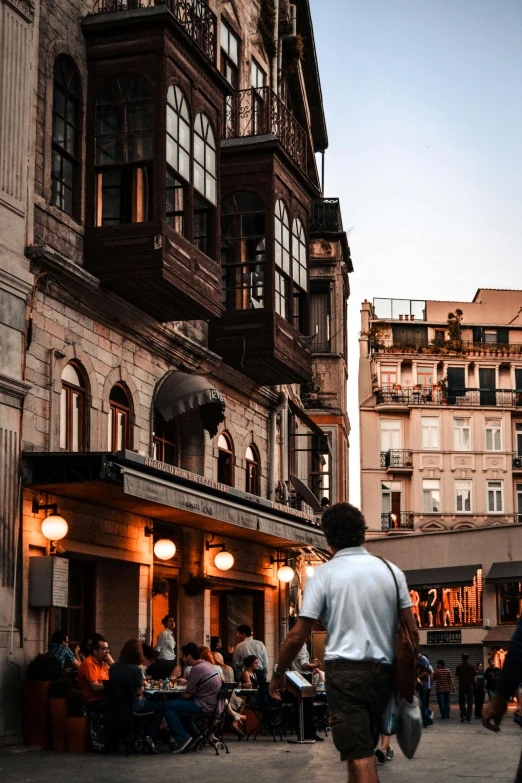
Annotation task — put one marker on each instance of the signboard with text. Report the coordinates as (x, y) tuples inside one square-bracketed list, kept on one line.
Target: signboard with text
[(444, 637)]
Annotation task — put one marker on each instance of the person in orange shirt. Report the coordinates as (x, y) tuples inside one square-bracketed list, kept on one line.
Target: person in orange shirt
[(92, 672)]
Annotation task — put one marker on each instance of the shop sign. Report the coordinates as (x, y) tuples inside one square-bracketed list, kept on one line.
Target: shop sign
[(444, 637)]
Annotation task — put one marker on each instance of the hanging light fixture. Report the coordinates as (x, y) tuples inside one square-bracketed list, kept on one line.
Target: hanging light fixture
[(54, 527), (164, 549), (285, 573), (223, 560), (309, 569)]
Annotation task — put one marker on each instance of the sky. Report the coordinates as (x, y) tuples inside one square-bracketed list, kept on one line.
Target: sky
[(423, 103)]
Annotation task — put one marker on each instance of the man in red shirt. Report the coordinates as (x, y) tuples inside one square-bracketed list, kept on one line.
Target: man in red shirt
[(92, 672), (443, 679)]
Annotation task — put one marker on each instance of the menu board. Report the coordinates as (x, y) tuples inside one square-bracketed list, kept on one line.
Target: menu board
[(60, 583)]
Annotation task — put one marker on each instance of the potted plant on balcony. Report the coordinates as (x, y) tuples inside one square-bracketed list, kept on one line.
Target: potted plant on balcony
[(41, 671), (58, 691), (77, 722)]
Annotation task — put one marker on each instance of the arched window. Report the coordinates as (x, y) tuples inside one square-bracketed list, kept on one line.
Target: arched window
[(253, 470), (225, 459), (120, 419), (283, 296), (66, 136), (124, 151), (204, 183), (73, 409), (178, 159), (165, 439), (243, 251), (299, 273)]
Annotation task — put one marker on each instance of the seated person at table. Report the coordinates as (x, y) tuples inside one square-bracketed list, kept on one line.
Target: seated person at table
[(249, 678), (128, 674), (210, 658), (235, 704), (86, 644), (59, 648), (92, 672), (200, 698)]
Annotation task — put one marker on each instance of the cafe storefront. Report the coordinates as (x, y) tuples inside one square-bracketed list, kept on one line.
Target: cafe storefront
[(118, 506)]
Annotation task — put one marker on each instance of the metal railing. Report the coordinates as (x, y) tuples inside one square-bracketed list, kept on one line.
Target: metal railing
[(430, 395), (259, 111), (195, 16), (397, 458), (425, 346), (326, 216), (402, 520)]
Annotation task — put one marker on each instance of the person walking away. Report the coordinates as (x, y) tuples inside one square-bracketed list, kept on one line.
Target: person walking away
[(246, 646), (355, 597), (444, 683), (424, 688), (491, 676), (465, 674), (479, 689), (166, 643), (510, 677)]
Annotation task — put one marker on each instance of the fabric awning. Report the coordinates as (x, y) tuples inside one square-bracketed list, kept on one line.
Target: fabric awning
[(501, 634), (453, 576), (505, 572), (180, 392)]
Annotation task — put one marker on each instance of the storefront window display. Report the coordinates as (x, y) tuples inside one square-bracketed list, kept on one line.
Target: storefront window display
[(509, 597), (444, 607)]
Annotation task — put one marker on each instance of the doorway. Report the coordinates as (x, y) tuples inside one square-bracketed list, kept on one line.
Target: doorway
[(164, 601), (487, 384), (230, 608)]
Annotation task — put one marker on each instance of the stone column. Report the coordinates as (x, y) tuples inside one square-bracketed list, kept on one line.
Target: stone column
[(192, 610)]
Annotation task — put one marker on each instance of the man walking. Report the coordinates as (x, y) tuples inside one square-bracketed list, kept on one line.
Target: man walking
[(443, 680), (479, 690), (465, 674), (424, 688), (354, 596)]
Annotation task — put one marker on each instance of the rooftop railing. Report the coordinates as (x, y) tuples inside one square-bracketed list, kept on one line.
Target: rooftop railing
[(431, 395), (259, 111), (195, 16), (424, 346)]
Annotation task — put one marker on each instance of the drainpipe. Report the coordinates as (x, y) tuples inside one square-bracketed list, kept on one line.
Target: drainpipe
[(284, 451), (272, 466)]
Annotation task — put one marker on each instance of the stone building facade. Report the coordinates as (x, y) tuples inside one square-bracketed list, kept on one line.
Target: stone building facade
[(143, 417), (440, 395)]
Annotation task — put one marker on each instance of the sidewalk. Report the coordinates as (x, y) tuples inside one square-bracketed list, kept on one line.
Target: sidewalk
[(449, 752)]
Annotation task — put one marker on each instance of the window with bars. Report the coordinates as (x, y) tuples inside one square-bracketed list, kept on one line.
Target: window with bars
[(243, 251), (66, 136), (124, 151), (73, 409)]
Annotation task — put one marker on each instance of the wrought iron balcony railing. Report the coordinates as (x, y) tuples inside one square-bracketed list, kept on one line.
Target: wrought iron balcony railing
[(402, 520), (517, 460), (397, 458), (425, 346), (326, 216), (259, 111), (195, 16), (431, 395)]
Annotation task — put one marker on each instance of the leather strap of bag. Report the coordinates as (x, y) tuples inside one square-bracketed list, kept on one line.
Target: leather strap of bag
[(390, 569)]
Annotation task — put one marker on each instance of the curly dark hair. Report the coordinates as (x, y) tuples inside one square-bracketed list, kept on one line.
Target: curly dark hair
[(344, 526)]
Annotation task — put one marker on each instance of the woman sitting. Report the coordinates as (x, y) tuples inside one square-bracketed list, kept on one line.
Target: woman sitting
[(236, 704), (249, 678)]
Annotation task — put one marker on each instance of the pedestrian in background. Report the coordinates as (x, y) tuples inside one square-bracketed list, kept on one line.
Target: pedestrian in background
[(444, 683), (424, 688), (479, 689), (491, 676), (465, 674)]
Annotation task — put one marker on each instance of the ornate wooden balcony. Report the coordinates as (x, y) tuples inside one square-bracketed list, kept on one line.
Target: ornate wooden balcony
[(195, 16), (260, 112)]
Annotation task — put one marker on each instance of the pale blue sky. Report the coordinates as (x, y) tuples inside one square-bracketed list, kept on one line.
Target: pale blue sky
[(423, 101)]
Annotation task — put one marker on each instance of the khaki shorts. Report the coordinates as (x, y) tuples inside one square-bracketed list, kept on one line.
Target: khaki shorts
[(358, 692)]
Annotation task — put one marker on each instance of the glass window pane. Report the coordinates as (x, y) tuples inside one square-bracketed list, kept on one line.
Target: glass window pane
[(184, 164), (63, 419), (70, 375), (199, 178)]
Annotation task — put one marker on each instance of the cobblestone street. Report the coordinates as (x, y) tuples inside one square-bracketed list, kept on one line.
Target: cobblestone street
[(448, 752)]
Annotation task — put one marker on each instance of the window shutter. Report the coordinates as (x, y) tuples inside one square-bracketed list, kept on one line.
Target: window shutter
[(503, 336), (478, 334)]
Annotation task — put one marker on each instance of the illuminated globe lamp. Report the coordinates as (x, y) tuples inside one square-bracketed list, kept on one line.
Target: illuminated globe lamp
[(309, 570), (224, 560), (54, 527), (164, 549), (285, 574)]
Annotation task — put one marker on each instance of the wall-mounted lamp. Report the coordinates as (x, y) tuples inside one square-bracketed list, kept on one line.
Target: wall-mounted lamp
[(285, 573), (54, 527), (164, 549), (223, 560), (309, 570)]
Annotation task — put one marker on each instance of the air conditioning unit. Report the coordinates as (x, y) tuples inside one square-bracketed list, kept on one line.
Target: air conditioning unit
[(517, 462)]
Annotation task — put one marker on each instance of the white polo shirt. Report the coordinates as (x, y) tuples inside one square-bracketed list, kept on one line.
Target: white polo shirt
[(354, 597)]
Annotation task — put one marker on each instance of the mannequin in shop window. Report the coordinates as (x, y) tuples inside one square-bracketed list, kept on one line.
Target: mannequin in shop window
[(432, 605), (446, 606), (415, 597)]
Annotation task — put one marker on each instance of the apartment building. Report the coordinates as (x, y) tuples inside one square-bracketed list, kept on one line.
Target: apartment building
[(440, 395), (178, 291)]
